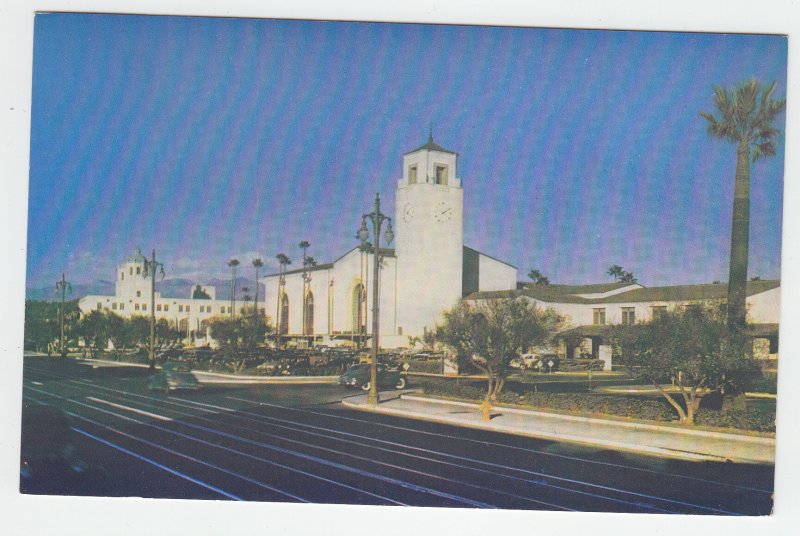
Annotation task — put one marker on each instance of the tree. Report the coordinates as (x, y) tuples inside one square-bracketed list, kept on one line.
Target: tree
[(283, 261), (490, 333), (538, 278), (628, 277), (690, 348), (615, 271), (95, 328), (41, 325), (257, 264), (746, 116), (233, 263)]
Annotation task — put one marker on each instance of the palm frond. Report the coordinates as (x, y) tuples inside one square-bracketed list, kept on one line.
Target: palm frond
[(763, 150)]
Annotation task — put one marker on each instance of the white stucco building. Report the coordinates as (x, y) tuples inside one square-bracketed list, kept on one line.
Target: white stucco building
[(428, 271), (591, 309), (188, 314)]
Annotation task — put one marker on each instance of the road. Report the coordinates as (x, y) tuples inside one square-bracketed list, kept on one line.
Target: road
[(297, 443)]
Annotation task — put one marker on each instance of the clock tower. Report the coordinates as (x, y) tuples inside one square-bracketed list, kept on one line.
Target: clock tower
[(429, 237)]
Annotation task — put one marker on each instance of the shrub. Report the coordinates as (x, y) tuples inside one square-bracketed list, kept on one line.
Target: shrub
[(759, 419), (429, 366), (579, 365)]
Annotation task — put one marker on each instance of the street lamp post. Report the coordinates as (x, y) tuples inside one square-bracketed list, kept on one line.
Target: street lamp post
[(233, 263), (150, 268), (63, 286), (377, 218)]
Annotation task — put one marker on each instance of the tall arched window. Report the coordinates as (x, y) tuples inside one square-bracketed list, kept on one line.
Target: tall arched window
[(358, 320), (284, 329), (308, 325)]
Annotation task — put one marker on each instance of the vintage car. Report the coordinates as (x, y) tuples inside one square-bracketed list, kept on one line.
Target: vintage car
[(357, 376)]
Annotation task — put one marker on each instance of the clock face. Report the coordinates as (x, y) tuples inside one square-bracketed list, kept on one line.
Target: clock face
[(443, 212), (408, 212)]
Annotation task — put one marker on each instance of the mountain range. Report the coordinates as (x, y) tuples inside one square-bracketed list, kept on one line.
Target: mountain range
[(169, 288)]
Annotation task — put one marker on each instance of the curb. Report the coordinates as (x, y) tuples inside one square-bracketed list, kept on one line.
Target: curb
[(768, 441), (222, 378), (615, 445), (217, 377)]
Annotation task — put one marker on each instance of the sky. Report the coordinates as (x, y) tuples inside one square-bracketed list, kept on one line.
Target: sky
[(208, 139)]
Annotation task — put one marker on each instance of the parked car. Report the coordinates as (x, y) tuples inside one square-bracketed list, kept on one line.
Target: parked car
[(358, 376), (172, 376), (548, 362)]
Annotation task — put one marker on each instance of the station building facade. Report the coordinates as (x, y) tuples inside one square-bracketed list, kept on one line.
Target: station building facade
[(188, 314)]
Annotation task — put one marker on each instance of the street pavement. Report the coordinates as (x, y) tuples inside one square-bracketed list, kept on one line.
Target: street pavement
[(300, 443)]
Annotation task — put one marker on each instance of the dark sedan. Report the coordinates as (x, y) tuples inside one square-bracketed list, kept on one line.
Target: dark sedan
[(358, 376)]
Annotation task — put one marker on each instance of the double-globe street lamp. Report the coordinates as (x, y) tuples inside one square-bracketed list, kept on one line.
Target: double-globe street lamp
[(377, 218), (63, 286), (150, 268)]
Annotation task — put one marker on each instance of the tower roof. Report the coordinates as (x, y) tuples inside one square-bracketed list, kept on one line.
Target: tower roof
[(432, 146), (137, 257)]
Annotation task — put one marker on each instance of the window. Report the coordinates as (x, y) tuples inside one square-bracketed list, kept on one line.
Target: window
[(131, 270), (138, 293), (692, 308), (114, 306), (180, 308), (187, 308), (136, 306), (121, 306), (628, 315), (263, 311), (222, 309), (358, 320), (659, 311), (284, 323), (599, 316), (166, 307), (308, 320), (138, 270), (158, 307), (399, 330), (440, 174), (122, 275), (144, 307), (412, 174)]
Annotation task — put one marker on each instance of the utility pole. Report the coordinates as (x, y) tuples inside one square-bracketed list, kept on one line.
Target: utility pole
[(63, 286), (150, 268)]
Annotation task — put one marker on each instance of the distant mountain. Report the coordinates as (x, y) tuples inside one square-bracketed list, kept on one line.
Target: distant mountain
[(79, 290), (169, 288)]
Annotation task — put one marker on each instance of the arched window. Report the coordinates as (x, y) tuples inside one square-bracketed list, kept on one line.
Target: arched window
[(308, 310), (284, 314), (358, 320)]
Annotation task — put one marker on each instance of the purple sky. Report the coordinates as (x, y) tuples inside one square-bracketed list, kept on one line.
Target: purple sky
[(213, 138)]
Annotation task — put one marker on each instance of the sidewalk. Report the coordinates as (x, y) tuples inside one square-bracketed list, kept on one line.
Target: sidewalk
[(641, 438)]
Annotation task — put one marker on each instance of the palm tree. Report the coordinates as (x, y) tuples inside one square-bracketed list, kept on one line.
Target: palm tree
[(746, 114), (283, 261), (538, 278), (616, 271), (233, 263), (257, 263)]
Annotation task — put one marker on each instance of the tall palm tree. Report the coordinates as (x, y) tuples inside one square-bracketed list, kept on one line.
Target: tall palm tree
[(746, 114), (283, 261), (233, 263), (615, 271), (305, 245), (257, 263)]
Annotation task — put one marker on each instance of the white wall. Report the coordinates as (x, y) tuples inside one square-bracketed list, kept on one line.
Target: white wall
[(495, 275)]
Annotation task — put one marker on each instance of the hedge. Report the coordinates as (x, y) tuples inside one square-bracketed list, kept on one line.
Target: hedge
[(755, 418)]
